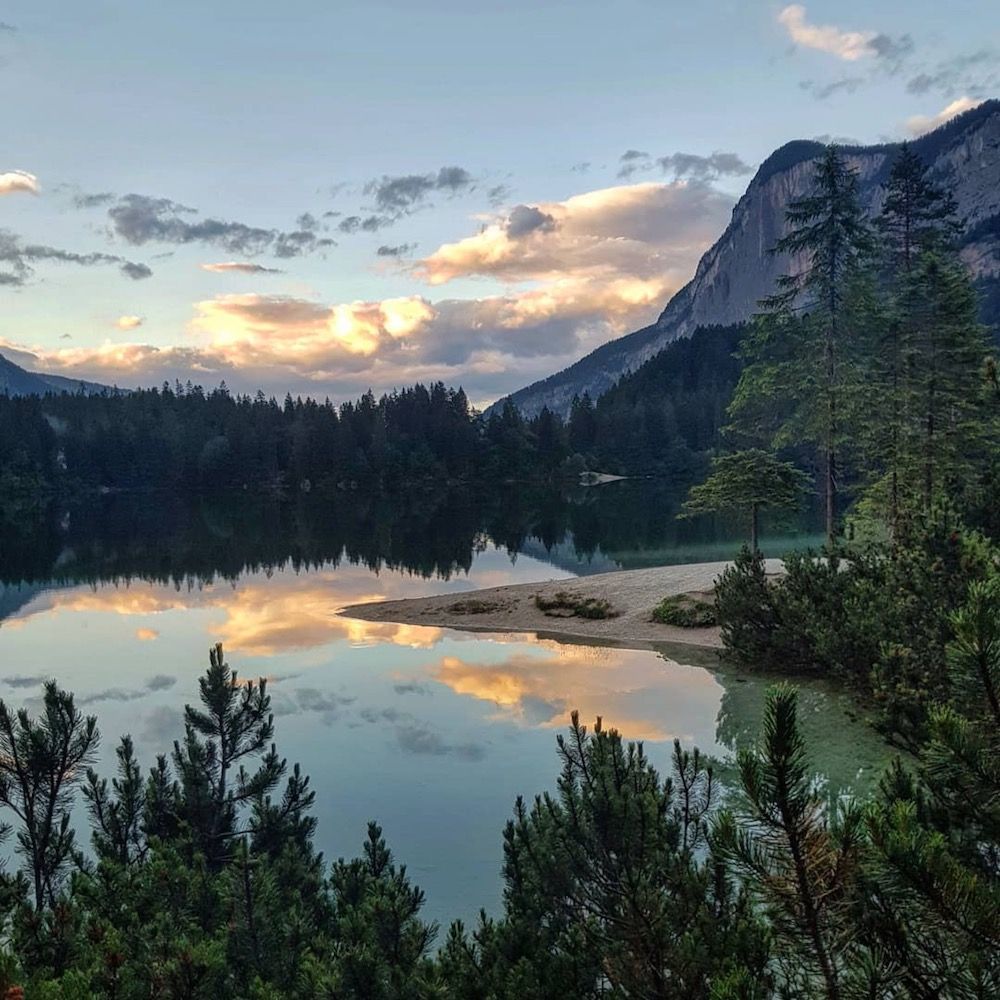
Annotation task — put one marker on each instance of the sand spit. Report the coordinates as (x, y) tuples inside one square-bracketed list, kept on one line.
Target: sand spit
[(632, 595)]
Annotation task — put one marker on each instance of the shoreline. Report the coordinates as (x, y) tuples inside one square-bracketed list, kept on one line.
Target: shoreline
[(632, 593)]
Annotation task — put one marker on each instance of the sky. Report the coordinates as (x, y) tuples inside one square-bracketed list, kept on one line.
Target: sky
[(323, 196)]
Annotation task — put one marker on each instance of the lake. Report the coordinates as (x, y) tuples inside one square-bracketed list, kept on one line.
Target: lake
[(432, 732)]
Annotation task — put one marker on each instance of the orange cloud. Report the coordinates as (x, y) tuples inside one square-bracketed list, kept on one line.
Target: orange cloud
[(128, 322), (287, 613), (847, 45), (573, 274), (631, 690), (919, 124), (631, 231), (14, 181)]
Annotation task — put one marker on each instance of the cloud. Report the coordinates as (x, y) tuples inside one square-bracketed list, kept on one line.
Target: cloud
[(976, 74), (328, 705), (681, 166), (84, 200), (605, 263), (15, 181), (128, 322), (541, 689), (525, 219), (369, 224), (411, 687), (4, 26), (498, 194), (420, 738), (919, 124), (704, 168), (160, 682), (239, 267), (400, 250), (20, 258), (111, 694), (399, 195), (139, 219), (136, 271), (893, 51), (25, 681), (847, 85), (847, 45), (266, 329), (631, 233)]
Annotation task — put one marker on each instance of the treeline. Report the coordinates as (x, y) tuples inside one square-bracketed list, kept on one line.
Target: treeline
[(663, 418), (202, 879)]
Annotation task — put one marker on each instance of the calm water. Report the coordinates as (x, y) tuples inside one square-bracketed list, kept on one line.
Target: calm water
[(431, 732)]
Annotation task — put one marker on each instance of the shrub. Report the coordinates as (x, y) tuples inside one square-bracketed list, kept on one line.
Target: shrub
[(878, 617), (566, 605), (684, 611)]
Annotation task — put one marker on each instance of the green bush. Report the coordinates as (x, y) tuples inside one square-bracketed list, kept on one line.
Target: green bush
[(877, 617), (684, 611), (566, 605)]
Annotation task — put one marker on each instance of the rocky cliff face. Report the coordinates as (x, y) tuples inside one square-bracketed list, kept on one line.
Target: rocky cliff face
[(739, 269)]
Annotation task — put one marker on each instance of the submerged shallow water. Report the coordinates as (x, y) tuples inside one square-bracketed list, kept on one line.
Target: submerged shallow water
[(432, 732)]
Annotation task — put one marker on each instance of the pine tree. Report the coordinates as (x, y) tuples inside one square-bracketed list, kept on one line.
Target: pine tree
[(234, 726), (117, 818), (748, 480), (802, 352), (41, 763), (797, 858), (928, 351), (944, 353), (935, 860), (609, 890)]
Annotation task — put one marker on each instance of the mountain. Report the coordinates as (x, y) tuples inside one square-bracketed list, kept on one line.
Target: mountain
[(739, 270), (18, 381)]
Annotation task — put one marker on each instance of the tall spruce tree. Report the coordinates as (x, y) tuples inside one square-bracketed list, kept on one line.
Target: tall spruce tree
[(800, 357), (918, 221)]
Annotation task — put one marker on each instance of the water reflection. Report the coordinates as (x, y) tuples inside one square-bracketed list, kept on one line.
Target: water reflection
[(430, 731), (633, 691)]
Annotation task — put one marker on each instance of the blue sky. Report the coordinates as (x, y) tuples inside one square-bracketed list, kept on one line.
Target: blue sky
[(479, 146)]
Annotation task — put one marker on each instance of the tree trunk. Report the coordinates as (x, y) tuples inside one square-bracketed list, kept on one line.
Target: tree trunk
[(754, 527)]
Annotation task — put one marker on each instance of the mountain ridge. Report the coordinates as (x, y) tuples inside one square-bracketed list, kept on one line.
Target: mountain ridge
[(18, 381), (739, 269)]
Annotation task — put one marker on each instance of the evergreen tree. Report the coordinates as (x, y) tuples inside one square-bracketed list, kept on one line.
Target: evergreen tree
[(41, 763), (944, 354), (748, 480), (797, 859), (609, 890), (234, 725), (802, 352), (935, 862)]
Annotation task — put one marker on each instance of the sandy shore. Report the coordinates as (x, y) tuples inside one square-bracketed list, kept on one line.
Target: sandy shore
[(632, 594)]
